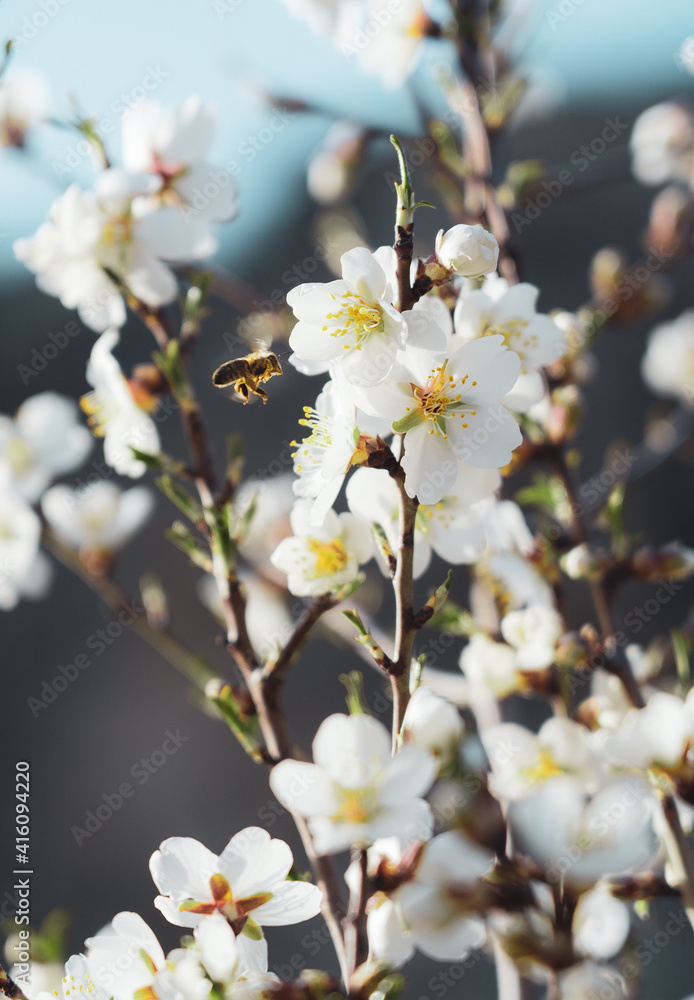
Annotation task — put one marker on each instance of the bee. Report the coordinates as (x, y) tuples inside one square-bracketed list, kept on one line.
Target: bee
[(246, 374)]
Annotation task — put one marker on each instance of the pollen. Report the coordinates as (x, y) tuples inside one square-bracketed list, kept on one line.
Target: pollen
[(352, 808), (330, 557), (546, 767), (355, 319)]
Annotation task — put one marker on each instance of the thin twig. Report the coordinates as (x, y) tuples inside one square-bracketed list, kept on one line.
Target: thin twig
[(602, 591), (679, 853), (356, 940), (404, 614)]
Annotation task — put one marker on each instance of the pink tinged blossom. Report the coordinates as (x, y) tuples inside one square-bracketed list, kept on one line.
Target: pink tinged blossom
[(247, 884)]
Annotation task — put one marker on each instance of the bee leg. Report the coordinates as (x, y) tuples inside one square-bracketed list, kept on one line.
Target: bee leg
[(242, 390)]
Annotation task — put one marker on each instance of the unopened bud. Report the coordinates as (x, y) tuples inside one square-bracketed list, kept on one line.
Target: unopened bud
[(584, 563), (433, 723), (470, 251), (672, 562), (565, 414), (670, 221)]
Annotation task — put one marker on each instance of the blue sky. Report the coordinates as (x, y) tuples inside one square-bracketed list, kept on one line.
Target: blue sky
[(108, 55)]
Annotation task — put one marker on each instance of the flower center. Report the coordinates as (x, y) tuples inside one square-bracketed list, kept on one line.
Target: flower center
[(513, 332), (98, 413), (20, 456), (438, 399), (319, 438), (330, 557), (235, 910), (117, 231), (356, 317), (353, 806), (546, 767), (438, 510)]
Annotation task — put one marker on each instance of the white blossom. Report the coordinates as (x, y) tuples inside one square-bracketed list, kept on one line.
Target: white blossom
[(451, 527), (600, 924), (224, 961), (247, 884), (114, 413), (591, 980), (24, 570), (470, 251), (176, 218), (101, 517), (43, 440), (320, 558), (668, 364), (533, 632), (432, 903), (124, 956), (88, 233), (352, 322), (333, 167), (76, 981), (508, 311), (322, 459), (388, 41), (522, 761), (492, 665), (581, 838), (662, 144), (355, 792), (443, 396), (24, 96), (659, 735), (434, 724)]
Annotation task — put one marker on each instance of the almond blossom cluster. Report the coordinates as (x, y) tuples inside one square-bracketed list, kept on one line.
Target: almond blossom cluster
[(522, 785)]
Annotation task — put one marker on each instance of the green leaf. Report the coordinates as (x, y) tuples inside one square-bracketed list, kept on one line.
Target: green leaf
[(179, 535), (244, 522), (171, 364), (682, 648), (547, 492), (220, 524), (221, 695), (160, 462), (235, 459), (452, 618), (614, 512), (354, 683), (182, 499)]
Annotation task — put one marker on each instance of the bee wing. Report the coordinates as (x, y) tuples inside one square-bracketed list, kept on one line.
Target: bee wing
[(260, 341)]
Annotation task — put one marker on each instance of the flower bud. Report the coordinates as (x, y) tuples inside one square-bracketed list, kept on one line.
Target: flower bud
[(672, 562), (470, 251), (432, 723), (583, 563), (565, 414)]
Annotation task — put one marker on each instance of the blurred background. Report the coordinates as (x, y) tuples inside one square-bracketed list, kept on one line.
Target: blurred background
[(586, 62)]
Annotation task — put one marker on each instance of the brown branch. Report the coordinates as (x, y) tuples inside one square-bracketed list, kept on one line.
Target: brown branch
[(602, 590), (404, 614), (354, 924), (480, 194), (265, 691)]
